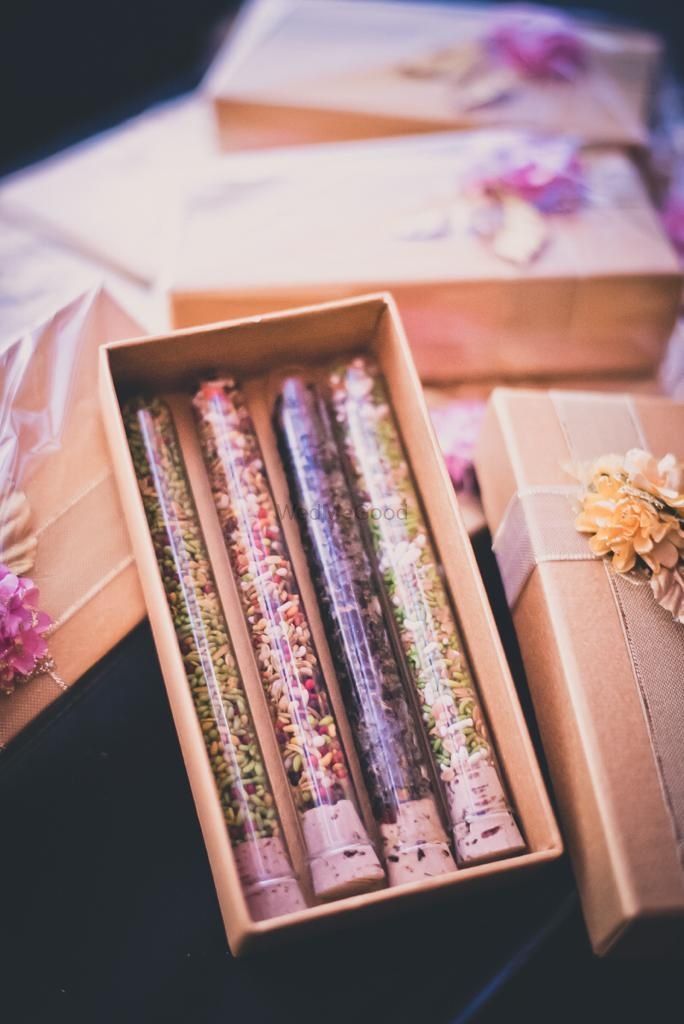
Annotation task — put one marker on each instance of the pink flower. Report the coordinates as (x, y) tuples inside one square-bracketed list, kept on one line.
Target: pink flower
[(457, 425), (22, 625), (673, 220), (538, 44), (547, 174)]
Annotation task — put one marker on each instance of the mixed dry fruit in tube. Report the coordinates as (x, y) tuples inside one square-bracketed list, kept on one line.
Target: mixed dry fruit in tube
[(378, 705), (341, 857), (219, 699), (481, 818)]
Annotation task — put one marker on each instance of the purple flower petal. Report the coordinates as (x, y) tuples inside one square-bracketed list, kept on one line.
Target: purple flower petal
[(22, 645), (457, 425), (538, 44), (546, 173)]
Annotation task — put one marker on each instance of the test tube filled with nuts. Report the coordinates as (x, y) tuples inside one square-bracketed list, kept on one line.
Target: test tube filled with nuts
[(249, 811), (482, 821), (341, 857), (379, 707)]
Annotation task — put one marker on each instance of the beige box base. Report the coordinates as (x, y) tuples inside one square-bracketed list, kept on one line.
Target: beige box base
[(590, 715), (254, 350)]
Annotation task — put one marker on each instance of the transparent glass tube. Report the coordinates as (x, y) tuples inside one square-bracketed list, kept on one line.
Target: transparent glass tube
[(482, 820), (415, 845), (341, 856), (230, 739)]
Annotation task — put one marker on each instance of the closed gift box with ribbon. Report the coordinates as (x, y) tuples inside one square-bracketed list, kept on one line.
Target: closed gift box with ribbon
[(508, 255), (68, 583), (593, 575), (297, 71)]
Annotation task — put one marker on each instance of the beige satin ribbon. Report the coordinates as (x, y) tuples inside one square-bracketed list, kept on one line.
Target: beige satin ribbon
[(538, 527)]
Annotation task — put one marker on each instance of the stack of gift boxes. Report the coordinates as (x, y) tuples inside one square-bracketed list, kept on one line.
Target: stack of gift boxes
[(391, 205)]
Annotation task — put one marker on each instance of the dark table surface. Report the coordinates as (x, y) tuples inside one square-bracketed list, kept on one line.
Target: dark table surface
[(107, 906), (108, 911)]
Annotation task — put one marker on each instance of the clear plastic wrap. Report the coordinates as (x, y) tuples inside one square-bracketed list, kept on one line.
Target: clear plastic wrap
[(63, 543), (217, 691), (380, 710), (481, 818), (341, 857)]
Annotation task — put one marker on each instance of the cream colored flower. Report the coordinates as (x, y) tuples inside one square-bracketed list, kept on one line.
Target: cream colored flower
[(608, 465), (668, 590), (586, 472), (628, 527), (663, 478)]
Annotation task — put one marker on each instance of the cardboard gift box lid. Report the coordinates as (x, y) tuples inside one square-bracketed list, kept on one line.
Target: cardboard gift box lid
[(323, 222), (599, 658), (309, 71), (53, 450)]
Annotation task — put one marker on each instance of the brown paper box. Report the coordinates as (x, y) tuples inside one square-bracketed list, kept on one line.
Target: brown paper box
[(593, 725), (326, 222), (251, 349), (303, 71), (84, 567)]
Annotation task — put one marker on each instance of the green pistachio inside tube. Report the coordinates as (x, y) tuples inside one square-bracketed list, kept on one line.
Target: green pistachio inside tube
[(249, 811), (482, 821), (378, 703), (341, 856)]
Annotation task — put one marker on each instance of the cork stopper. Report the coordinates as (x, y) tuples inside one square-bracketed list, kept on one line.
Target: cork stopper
[(487, 836), (341, 857), (416, 845), (269, 884), (483, 825), (274, 898)]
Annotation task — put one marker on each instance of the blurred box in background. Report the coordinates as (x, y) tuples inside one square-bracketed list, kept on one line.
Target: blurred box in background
[(573, 279), (298, 71)]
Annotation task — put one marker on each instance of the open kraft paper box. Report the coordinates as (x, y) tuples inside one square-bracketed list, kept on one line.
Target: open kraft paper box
[(253, 350), (606, 720), (264, 231), (300, 71)]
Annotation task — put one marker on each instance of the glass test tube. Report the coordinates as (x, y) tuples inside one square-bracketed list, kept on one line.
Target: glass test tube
[(482, 820), (415, 845), (341, 856), (230, 739)]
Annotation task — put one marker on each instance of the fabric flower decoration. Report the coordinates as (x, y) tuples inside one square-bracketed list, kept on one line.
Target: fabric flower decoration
[(627, 527), (546, 174), (23, 647), (673, 220), (513, 192), (633, 508), (668, 590), (538, 44), (506, 199), (663, 479)]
